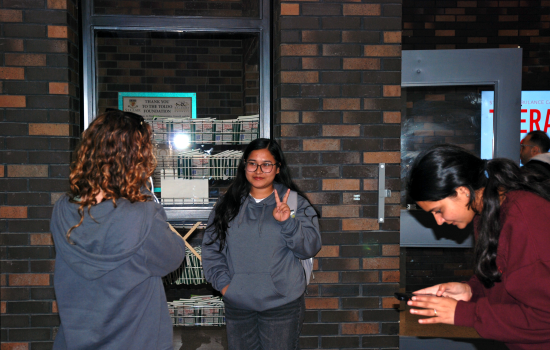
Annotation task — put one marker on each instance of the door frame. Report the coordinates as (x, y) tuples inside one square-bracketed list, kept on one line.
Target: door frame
[(499, 68)]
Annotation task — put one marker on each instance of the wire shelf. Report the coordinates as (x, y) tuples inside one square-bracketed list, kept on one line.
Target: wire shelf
[(205, 130), (198, 311), (196, 164)]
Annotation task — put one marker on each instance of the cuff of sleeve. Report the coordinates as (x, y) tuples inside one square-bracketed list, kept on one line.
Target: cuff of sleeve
[(288, 226), (222, 282), (465, 314)]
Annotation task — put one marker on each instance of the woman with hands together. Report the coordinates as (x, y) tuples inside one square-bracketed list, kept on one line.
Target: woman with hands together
[(508, 298), (252, 248)]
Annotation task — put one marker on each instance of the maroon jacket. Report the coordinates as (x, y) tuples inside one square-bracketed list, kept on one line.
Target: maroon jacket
[(516, 310)]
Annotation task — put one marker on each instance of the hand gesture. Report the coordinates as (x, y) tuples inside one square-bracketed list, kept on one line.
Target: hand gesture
[(282, 210), (454, 290), (440, 309)]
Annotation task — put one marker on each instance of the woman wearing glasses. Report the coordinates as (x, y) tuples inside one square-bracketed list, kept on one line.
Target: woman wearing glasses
[(251, 251), (112, 243)]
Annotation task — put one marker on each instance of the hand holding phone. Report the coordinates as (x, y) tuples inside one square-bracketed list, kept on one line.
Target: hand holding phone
[(408, 296)]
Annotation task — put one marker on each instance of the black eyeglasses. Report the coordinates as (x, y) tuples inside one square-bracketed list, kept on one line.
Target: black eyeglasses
[(138, 118), (251, 167)]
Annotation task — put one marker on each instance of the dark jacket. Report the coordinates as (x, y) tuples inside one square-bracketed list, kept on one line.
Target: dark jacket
[(540, 164), (108, 283), (260, 261)]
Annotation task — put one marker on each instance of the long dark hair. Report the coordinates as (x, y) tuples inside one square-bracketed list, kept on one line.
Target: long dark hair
[(436, 174), (227, 207)]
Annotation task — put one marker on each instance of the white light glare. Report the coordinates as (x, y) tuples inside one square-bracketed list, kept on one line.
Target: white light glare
[(181, 141)]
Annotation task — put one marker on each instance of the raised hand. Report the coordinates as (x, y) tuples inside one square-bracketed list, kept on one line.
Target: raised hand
[(282, 210)]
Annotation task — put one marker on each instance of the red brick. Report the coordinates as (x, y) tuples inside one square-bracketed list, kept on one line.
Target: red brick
[(370, 184), (27, 170), (13, 212), (392, 37), (391, 91), (390, 276), (511, 32), (362, 10), (455, 11), (477, 40), (381, 157), (392, 117), (390, 250), (329, 251), (299, 77), (29, 279), (25, 60), (390, 303), (325, 277), (341, 211), (362, 63), (54, 307), (49, 129), (466, 18), (3, 280), (527, 32), (14, 346), (12, 73), (438, 97), (11, 101), (1, 171), (290, 9), (360, 224), (59, 32), (341, 104), (59, 88), (321, 303), (445, 18), (2, 310), (508, 18), (42, 239), (57, 4), (321, 145), (360, 328), (466, 4), (290, 117), (448, 32), (341, 130), (320, 63), (536, 40), (383, 50), (11, 16), (299, 50), (341, 185), (381, 263)]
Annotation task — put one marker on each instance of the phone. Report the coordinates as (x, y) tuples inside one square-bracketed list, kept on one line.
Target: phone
[(404, 296)]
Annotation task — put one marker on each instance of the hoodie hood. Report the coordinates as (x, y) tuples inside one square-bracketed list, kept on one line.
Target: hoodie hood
[(99, 245), (543, 157)]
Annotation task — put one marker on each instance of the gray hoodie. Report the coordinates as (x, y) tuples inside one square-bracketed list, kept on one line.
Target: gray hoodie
[(108, 284), (260, 260)]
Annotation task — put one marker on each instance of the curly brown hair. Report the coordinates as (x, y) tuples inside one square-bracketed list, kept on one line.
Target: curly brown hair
[(115, 155)]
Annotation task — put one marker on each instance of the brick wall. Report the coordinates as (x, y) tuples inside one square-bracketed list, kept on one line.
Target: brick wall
[(431, 25), (337, 114), (39, 122), (212, 65)]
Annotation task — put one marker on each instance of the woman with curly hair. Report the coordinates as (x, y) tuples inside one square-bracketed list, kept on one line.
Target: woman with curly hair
[(113, 244), (508, 299)]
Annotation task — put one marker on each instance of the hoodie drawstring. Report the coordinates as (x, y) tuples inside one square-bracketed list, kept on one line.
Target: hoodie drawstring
[(243, 208), (261, 220)]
